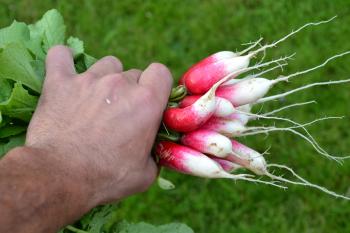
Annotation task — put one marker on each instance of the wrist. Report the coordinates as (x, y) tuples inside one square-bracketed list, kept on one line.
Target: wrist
[(58, 179)]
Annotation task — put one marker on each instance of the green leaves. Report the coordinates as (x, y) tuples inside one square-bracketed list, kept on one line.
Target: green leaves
[(11, 143), (103, 219), (5, 90), (76, 45), (50, 28), (20, 104), (15, 64), (125, 227), (16, 32)]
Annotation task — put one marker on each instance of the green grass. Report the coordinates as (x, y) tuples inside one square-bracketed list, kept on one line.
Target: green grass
[(179, 33)]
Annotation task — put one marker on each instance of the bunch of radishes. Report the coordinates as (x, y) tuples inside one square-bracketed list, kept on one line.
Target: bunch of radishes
[(210, 109)]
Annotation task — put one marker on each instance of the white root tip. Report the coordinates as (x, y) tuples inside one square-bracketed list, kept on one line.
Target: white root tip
[(286, 78), (289, 35), (303, 181), (282, 95), (289, 106), (260, 130), (252, 45), (264, 182), (297, 125)]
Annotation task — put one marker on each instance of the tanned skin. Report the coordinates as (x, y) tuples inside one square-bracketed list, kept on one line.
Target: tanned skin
[(88, 143)]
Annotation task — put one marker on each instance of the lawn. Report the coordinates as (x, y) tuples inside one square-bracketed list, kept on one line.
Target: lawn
[(179, 33)]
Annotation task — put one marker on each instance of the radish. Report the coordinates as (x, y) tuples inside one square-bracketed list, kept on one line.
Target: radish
[(227, 165), (249, 158), (251, 90), (208, 142), (186, 160), (209, 60), (245, 92), (193, 116), (223, 107), (229, 128), (237, 116), (216, 57), (241, 114), (189, 100), (202, 76), (212, 143), (256, 162)]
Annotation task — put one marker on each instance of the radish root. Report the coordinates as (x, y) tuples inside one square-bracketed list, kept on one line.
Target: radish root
[(303, 181)]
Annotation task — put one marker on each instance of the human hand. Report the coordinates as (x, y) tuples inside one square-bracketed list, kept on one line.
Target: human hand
[(102, 123)]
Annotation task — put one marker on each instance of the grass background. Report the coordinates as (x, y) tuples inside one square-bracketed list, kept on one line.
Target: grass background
[(179, 33)]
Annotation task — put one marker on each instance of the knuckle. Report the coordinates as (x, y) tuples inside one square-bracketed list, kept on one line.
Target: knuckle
[(159, 66), (88, 76), (114, 80), (135, 71), (114, 62), (58, 48)]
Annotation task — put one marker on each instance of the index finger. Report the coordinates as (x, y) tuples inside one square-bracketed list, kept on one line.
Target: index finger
[(158, 78), (59, 62)]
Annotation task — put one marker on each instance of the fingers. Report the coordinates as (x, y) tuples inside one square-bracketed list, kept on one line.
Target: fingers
[(133, 75), (105, 66), (59, 62), (158, 78)]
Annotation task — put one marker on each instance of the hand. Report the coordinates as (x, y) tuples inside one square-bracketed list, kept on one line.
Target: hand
[(102, 123)]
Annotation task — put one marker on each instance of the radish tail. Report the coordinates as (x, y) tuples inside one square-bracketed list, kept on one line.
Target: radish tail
[(286, 78), (288, 106), (303, 181), (289, 35), (278, 96)]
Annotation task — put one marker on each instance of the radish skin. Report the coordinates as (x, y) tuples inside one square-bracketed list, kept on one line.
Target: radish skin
[(229, 128), (208, 142), (191, 117), (246, 91), (227, 165), (249, 158), (200, 79), (207, 61), (188, 161), (223, 106)]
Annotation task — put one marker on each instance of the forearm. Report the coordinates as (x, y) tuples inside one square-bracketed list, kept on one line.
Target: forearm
[(37, 194)]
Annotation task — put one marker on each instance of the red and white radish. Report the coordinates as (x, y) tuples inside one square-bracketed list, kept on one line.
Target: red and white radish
[(227, 165), (189, 161), (219, 56), (208, 142), (202, 76), (223, 106), (230, 128), (192, 117)]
